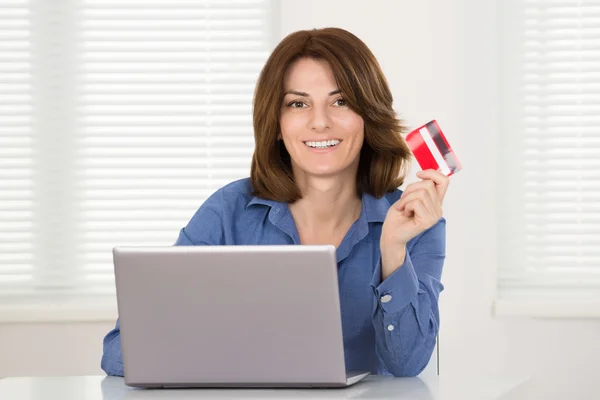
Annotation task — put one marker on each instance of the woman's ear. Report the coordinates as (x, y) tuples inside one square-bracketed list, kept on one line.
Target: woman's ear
[(279, 136)]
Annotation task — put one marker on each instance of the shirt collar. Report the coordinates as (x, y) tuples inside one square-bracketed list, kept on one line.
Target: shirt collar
[(260, 200), (375, 209)]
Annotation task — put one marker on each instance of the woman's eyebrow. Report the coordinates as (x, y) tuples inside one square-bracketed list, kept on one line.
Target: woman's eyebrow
[(304, 94)]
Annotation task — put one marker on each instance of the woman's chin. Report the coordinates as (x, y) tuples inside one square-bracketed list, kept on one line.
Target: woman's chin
[(324, 171)]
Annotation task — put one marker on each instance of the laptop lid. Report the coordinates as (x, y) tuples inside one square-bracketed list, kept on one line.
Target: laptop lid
[(229, 315)]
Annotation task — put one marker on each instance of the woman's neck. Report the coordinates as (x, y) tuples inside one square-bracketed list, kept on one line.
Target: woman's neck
[(328, 207)]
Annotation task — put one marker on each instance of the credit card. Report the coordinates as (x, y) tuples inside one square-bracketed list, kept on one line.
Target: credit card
[(432, 150)]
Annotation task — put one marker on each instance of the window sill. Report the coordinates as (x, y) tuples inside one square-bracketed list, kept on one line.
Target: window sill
[(547, 309), (58, 312)]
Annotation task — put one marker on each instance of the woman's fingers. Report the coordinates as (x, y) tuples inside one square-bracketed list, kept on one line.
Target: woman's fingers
[(432, 206), (428, 185), (421, 213), (440, 180)]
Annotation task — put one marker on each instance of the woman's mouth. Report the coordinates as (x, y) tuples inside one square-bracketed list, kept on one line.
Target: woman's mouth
[(322, 145)]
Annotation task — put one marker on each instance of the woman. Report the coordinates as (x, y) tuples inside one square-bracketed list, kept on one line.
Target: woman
[(329, 158)]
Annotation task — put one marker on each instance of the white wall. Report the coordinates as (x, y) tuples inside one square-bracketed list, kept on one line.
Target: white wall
[(440, 59)]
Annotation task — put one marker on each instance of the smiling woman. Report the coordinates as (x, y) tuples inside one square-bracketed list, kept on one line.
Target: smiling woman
[(328, 161)]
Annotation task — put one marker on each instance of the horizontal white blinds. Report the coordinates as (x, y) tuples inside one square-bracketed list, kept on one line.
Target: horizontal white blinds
[(118, 119), (550, 220), (16, 147)]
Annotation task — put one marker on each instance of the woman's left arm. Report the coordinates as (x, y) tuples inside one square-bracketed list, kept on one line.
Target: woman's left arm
[(407, 279), (405, 310)]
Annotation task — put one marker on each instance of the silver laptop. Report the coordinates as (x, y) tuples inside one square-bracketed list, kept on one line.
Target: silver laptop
[(231, 316)]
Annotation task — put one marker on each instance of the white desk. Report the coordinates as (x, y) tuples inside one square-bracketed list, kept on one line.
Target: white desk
[(373, 387)]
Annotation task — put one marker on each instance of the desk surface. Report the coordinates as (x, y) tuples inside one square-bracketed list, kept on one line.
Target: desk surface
[(372, 387)]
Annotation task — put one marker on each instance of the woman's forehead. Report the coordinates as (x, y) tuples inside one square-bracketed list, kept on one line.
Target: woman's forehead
[(309, 72)]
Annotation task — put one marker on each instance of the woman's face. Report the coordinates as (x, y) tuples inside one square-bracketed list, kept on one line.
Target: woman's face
[(321, 133)]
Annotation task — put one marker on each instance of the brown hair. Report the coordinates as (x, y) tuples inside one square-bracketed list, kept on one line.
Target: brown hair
[(384, 156)]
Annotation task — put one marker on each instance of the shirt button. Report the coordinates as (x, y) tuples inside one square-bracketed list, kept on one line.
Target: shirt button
[(390, 328), (386, 298)]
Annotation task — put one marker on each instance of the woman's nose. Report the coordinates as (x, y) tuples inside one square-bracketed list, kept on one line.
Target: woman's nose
[(320, 119)]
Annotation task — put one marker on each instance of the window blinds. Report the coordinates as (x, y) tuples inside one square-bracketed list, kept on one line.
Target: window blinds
[(117, 120), (550, 159)]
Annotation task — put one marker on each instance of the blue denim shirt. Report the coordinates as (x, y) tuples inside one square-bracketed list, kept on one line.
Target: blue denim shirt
[(384, 335)]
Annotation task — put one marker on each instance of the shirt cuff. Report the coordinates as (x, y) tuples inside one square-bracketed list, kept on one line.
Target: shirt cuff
[(399, 289)]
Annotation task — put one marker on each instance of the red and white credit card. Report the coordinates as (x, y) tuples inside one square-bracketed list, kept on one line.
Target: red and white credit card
[(432, 150)]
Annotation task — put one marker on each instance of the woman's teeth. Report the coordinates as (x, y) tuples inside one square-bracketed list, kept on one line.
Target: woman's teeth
[(322, 145)]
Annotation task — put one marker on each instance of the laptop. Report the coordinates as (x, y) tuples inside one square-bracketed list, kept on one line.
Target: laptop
[(231, 316)]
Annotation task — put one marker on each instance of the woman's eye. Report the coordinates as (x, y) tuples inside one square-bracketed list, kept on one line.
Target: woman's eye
[(296, 104), (340, 102)]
